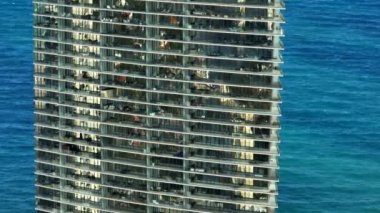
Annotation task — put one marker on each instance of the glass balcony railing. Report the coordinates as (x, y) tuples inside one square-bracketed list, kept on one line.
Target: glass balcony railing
[(133, 184), (126, 195), (217, 207), (47, 111), (119, 206), (86, 176), (84, 166), (215, 169), (229, 3), (69, 102), (126, 183), (90, 3), (200, 103), (83, 129), (196, 23), (47, 1), (137, 5), (223, 196)]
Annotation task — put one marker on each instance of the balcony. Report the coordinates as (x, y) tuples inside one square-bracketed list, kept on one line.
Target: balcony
[(229, 3), (86, 176), (72, 187), (231, 171), (71, 203), (46, 22), (93, 3), (126, 183), (46, 111), (86, 165), (162, 114), (197, 95), (82, 90), (69, 102), (81, 78), (198, 24), (175, 62), (47, 121), (130, 196), (230, 186), (229, 197), (168, 43), (218, 207)]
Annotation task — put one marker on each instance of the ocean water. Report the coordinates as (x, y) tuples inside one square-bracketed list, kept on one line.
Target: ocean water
[(330, 151)]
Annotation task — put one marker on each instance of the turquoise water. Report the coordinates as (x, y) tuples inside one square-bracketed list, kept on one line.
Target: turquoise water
[(330, 151)]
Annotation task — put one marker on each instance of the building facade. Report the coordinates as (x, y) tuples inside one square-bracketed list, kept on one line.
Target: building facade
[(157, 105)]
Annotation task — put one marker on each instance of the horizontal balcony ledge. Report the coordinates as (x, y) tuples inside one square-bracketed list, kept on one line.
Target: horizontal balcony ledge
[(139, 177), (206, 108), (277, 5), (46, 113), (115, 187), (193, 133), (161, 180), (66, 79), (187, 14), (115, 35), (85, 192), (131, 62), (153, 154), (96, 95), (226, 175), (216, 199), (142, 164), (207, 197), (269, 73), (54, 138), (205, 120), (205, 95), (154, 103), (237, 188), (163, 193), (72, 66), (280, 46), (45, 75), (236, 162), (217, 83), (162, 168), (47, 210), (157, 65), (213, 198), (192, 54), (272, 112), (77, 204), (126, 125), (153, 192), (74, 204), (132, 202), (144, 63), (66, 128), (122, 149), (169, 27)]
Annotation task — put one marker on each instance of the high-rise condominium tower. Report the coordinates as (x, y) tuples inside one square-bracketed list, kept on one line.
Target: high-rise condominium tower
[(157, 106)]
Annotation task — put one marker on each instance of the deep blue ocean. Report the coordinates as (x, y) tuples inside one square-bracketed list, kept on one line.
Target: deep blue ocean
[(330, 151)]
